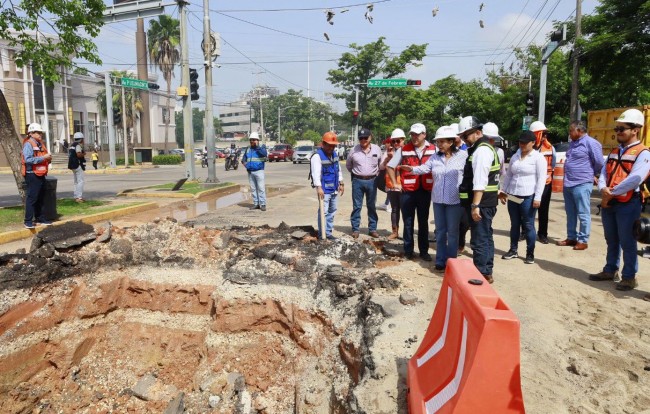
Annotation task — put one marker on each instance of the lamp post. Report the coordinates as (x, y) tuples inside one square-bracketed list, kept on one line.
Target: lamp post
[(280, 118)]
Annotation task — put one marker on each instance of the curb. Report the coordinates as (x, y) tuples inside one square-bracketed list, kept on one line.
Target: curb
[(14, 235), (134, 193), (108, 171)]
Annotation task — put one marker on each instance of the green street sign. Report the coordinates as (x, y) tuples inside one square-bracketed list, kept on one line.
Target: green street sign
[(134, 83), (387, 83)]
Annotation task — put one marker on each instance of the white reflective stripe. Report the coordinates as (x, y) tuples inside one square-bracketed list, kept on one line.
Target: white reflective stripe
[(408, 153), (628, 158), (545, 153), (409, 181), (429, 152), (437, 346), (428, 180), (450, 390)]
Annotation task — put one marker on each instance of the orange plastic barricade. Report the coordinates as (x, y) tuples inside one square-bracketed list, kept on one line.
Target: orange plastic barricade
[(558, 178), (468, 361)]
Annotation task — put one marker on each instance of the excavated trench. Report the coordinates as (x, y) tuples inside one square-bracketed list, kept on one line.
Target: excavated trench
[(168, 317)]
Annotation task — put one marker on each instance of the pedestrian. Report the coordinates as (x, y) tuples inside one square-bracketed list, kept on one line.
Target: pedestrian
[(397, 138), (464, 219), (65, 146), (628, 165), (522, 187), (363, 164), (478, 193), (491, 131), (382, 170), (327, 178), (95, 158), (584, 161), (77, 163), (446, 168), (254, 160), (34, 161), (415, 190), (544, 147)]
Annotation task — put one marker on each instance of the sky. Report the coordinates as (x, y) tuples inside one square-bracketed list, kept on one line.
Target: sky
[(271, 42)]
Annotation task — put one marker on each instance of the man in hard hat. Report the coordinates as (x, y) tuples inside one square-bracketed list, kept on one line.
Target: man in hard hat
[(363, 164), (491, 131), (77, 163), (416, 190), (544, 147), (397, 138), (34, 162), (327, 178), (584, 161), (628, 165), (479, 193), (254, 160)]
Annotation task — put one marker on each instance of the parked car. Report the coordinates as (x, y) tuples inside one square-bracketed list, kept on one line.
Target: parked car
[(303, 154), (281, 152), (560, 151), (177, 151)]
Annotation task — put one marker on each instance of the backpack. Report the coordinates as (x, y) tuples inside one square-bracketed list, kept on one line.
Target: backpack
[(73, 160)]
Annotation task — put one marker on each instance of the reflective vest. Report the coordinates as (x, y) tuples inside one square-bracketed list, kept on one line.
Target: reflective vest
[(546, 149), (466, 188), (39, 169), (619, 165), (410, 181), (255, 158), (329, 176)]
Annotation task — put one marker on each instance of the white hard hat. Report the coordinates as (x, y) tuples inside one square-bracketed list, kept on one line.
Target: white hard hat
[(397, 133), (468, 123), (491, 130), (445, 132), (34, 127), (455, 126), (418, 128), (537, 126), (632, 116), (78, 136), (254, 135)]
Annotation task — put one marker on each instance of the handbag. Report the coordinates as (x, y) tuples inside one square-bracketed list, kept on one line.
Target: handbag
[(380, 181)]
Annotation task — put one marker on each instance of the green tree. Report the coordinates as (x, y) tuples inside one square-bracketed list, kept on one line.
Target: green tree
[(312, 135), (134, 106), (198, 117), (164, 39), (21, 25)]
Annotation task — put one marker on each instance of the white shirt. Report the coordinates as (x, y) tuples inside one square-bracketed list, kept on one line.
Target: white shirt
[(526, 176), (317, 168), (482, 160)]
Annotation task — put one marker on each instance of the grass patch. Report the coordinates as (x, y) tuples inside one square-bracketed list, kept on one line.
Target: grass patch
[(190, 187), (65, 207)]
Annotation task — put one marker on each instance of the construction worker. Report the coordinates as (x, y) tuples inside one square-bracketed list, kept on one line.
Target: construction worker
[(254, 160), (327, 178), (77, 163), (397, 138), (416, 190), (491, 131), (34, 161), (544, 147), (627, 167), (478, 193)]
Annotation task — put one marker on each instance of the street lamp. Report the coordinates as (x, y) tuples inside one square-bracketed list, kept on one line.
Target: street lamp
[(279, 120)]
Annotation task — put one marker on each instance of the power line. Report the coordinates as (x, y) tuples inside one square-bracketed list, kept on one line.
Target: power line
[(526, 32), (300, 9), (509, 30)]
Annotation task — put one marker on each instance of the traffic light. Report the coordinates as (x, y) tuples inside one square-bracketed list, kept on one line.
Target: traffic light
[(154, 86), (530, 102), (117, 116), (194, 84), (559, 35), (355, 117), (413, 82)]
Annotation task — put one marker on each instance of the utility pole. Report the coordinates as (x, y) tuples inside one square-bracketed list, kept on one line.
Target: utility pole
[(557, 39), (356, 108), (109, 119), (209, 119), (143, 73), (262, 117), (188, 132), (125, 140), (576, 63), (279, 125)]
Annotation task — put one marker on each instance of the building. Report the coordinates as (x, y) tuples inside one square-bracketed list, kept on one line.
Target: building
[(237, 117)]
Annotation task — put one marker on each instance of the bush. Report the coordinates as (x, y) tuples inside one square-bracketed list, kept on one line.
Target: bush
[(166, 159), (120, 161)]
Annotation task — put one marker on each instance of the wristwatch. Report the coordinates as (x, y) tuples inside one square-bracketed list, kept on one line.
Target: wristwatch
[(474, 206)]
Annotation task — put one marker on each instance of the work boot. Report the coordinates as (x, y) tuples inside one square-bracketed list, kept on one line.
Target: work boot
[(394, 234), (627, 284), (373, 234), (598, 277)]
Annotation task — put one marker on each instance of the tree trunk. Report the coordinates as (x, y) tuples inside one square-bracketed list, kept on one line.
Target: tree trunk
[(169, 115), (11, 143)]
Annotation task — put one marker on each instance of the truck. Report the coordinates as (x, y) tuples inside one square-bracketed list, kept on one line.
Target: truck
[(601, 123)]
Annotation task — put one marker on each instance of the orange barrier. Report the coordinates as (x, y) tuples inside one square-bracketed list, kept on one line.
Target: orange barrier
[(468, 361), (558, 178)]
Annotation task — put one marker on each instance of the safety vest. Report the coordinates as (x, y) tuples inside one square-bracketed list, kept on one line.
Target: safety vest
[(329, 178), (619, 165), (466, 187), (546, 149), (39, 169), (254, 159), (410, 181)]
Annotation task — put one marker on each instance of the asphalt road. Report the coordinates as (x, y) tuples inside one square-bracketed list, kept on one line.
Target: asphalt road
[(108, 185)]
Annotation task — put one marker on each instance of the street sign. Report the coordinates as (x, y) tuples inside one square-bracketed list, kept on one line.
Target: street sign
[(387, 83), (135, 83)]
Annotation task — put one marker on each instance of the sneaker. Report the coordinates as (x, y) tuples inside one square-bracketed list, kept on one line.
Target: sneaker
[(408, 255), (381, 207), (512, 254), (263, 208), (627, 284), (543, 239), (598, 277), (45, 223), (426, 257), (530, 258), (440, 268), (254, 208), (389, 209), (29, 225)]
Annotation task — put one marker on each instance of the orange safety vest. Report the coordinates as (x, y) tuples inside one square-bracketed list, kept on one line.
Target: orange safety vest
[(39, 169), (546, 149), (619, 165), (412, 182)]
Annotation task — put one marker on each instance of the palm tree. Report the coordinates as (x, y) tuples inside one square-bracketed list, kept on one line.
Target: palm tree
[(132, 100), (164, 39)]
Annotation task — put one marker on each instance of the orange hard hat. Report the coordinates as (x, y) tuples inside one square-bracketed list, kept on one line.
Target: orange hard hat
[(330, 138)]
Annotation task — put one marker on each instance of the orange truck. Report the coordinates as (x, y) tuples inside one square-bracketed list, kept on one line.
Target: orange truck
[(601, 125)]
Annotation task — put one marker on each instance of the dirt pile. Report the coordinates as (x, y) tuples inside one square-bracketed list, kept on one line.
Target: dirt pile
[(167, 317)]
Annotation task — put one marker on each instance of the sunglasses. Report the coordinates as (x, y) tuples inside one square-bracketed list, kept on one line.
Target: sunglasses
[(621, 129), (364, 137)]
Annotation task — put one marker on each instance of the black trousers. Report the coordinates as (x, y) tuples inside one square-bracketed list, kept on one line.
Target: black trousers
[(35, 197), (542, 212), (412, 203)]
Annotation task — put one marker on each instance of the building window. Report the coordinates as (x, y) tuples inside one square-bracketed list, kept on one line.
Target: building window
[(165, 115), (38, 94), (78, 125)]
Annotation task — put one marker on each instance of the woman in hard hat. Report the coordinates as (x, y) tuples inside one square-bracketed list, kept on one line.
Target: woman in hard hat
[(397, 138), (35, 160)]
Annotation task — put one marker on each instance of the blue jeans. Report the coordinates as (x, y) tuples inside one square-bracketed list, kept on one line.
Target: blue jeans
[(413, 202), (359, 189), (330, 203), (34, 200), (618, 222), (482, 239), (577, 204), (447, 219), (256, 181), (522, 216)]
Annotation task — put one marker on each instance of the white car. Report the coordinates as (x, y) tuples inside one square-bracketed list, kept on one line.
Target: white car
[(302, 154)]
